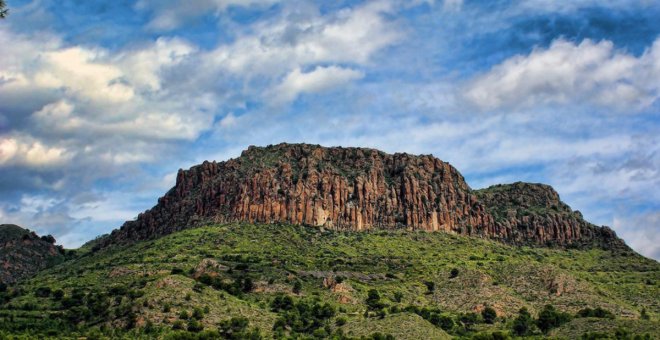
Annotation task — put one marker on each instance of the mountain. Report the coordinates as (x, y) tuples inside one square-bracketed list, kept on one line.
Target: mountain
[(23, 253), (360, 189), (298, 241), (233, 280)]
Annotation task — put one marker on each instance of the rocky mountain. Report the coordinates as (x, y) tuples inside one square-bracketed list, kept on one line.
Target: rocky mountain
[(23, 253), (360, 189)]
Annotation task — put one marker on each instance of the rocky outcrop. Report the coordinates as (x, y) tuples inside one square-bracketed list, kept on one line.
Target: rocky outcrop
[(23, 253), (336, 188), (530, 213)]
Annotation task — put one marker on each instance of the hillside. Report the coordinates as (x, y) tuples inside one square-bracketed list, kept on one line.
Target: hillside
[(289, 280), (23, 253), (360, 189)]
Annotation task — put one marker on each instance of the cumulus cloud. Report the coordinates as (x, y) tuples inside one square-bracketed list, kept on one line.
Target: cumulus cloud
[(171, 14), (295, 39), (570, 73), (318, 80), (641, 232), (73, 115), (23, 151)]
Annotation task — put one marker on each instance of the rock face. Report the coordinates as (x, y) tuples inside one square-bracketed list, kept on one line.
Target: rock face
[(23, 253), (531, 213), (335, 188)]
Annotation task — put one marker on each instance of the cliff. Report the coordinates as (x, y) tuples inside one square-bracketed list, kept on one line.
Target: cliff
[(23, 253), (346, 189)]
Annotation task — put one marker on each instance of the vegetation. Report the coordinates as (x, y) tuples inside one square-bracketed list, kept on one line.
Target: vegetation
[(240, 281), (3, 9)]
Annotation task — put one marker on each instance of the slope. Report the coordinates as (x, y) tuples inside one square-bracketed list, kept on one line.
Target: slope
[(288, 279)]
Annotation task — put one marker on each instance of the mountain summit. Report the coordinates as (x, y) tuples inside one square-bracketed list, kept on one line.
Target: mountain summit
[(361, 189)]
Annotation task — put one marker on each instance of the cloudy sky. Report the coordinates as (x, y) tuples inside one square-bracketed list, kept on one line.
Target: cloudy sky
[(101, 102)]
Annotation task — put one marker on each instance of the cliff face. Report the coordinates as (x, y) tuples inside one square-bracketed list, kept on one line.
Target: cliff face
[(23, 253), (534, 214), (336, 188)]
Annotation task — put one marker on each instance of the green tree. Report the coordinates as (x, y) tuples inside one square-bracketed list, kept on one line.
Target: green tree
[(3, 9), (550, 318), (489, 314), (297, 287), (522, 325)]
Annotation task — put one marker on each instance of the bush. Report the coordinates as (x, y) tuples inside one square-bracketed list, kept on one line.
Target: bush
[(177, 271), (195, 326), (523, 324), (42, 292), (595, 313), (198, 314), (183, 315), (398, 296), (489, 314), (453, 273), (373, 300), (430, 285), (58, 295), (550, 318), (297, 287)]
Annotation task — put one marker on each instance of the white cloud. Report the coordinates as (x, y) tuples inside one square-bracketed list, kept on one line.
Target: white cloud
[(291, 41), (24, 151), (640, 232), (169, 15), (318, 80), (569, 73)]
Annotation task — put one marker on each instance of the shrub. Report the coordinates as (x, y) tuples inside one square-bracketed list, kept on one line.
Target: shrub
[(522, 325), (234, 328), (297, 287), (373, 300), (453, 273), (430, 285), (595, 313), (398, 296), (183, 315), (178, 324), (42, 292), (197, 314), (489, 314), (340, 321), (58, 295), (248, 285), (177, 271), (195, 326), (550, 318), (446, 323)]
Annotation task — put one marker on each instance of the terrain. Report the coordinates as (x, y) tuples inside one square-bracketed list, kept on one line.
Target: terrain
[(302, 281), (23, 253), (303, 241), (360, 189)]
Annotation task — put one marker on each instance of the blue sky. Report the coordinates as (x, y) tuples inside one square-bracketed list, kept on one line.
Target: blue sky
[(102, 102)]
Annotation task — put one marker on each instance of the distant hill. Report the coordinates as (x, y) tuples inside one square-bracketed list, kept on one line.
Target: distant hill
[(23, 253), (361, 189)]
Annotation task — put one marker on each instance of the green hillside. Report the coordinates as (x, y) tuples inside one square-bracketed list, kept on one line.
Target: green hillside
[(242, 280)]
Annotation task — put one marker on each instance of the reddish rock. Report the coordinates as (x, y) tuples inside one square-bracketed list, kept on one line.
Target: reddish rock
[(340, 189)]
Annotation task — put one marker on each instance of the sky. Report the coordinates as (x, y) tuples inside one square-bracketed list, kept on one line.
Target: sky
[(101, 102)]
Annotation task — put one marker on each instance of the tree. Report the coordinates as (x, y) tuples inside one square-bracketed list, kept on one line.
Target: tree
[(522, 325), (3, 9), (550, 318), (489, 314)]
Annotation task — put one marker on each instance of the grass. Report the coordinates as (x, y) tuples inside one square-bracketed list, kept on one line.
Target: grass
[(396, 264)]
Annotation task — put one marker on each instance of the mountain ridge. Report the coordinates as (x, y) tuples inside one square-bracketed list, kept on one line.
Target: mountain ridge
[(23, 253), (360, 189)]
